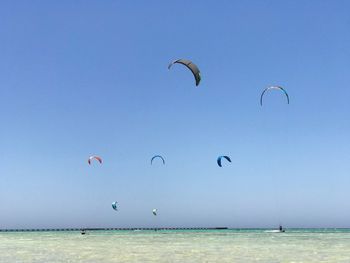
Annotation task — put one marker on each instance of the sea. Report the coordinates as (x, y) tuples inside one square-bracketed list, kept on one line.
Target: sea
[(230, 245)]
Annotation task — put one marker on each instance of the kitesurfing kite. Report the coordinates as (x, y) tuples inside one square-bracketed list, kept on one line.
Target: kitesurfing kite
[(194, 69), (220, 158), (114, 205), (154, 211), (157, 156), (94, 157), (270, 88)]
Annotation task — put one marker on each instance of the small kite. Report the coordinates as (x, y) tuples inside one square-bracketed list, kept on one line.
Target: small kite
[(114, 205), (270, 88), (220, 157), (94, 157), (191, 66), (157, 156)]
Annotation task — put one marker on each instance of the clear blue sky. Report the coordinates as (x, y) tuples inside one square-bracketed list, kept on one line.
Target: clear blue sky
[(90, 77)]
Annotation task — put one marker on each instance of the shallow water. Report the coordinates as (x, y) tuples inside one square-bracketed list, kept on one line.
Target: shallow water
[(316, 245)]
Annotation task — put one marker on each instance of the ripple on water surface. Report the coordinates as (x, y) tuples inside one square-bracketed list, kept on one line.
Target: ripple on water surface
[(177, 246)]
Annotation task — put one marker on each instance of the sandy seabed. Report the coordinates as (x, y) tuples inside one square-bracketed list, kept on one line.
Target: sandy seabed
[(177, 246)]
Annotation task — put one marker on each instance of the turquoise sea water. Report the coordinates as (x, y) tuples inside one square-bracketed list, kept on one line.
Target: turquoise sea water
[(296, 245)]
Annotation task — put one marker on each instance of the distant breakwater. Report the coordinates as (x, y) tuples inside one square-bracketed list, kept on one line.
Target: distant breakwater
[(115, 229)]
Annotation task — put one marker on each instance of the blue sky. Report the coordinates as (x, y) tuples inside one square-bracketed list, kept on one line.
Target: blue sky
[(90, 77)]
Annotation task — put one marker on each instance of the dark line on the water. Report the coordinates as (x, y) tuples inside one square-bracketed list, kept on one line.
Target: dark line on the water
[(117, 229)]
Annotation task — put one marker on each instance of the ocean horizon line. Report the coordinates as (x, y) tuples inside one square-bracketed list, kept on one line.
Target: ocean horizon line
[(161, 229)]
